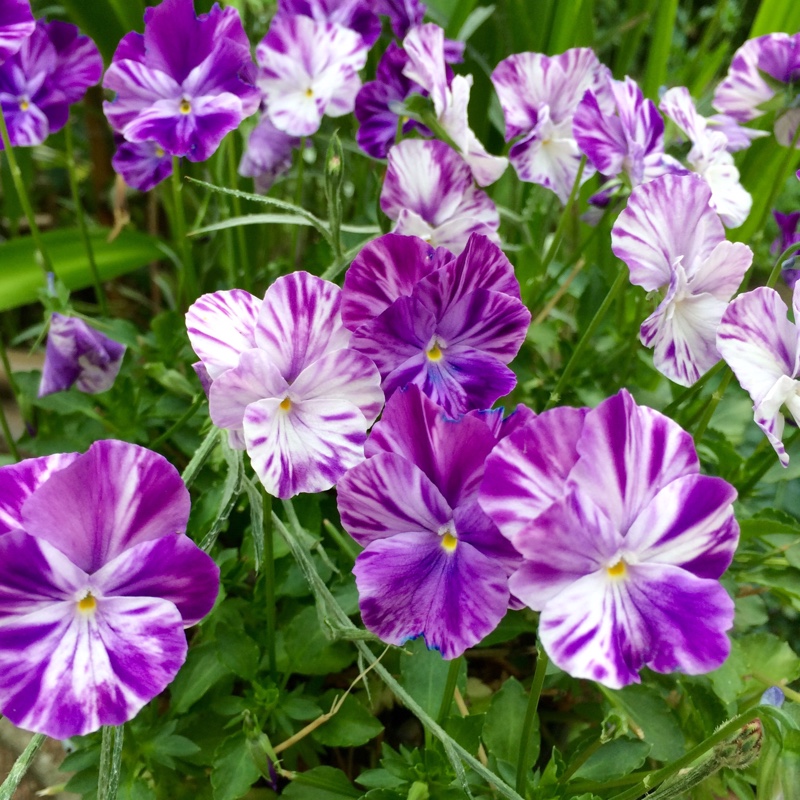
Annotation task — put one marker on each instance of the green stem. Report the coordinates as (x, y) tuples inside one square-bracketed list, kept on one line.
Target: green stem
[(766, 460), (179, 423), (563, 221), (12, 445), (449, 690), (269, 583), (200, 456), (298, 194), (555, 396), (187, 281), (776, 270), (580, 760), (21, 766), (16, 177), (76, 200), (233, 177), (694, 389), (712, 407), (110, 762), (530, 717), (12, 384)]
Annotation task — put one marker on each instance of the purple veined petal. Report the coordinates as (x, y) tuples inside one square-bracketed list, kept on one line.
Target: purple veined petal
[(110, 498), (354, 14), (744, 89), (19, 481), (142, 165), (688, 524), (171, 568), (477, 529), (785, 127), (739, 137), (300, 321), (26, 127), (477, 214), (599, 135), (254, 378), (451, 452), (679, 106), (342, 375), (787, 227), (728, 197), (268, 153), (404, 14), (409, 585), (221, 326), (203, 376), (79, 65), (528, 470), (387, 495), (606, 629), (385, 269), (651, 233), (424, 46), (16, 25), (627, 454), (768, 416), (306, 447), (722, 272)]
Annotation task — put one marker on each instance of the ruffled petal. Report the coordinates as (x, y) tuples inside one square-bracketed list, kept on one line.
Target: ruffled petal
[(722, 272)]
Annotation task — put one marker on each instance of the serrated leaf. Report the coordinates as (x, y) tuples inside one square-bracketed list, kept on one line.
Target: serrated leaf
[(234, 770), (769, 659), (351, 726)]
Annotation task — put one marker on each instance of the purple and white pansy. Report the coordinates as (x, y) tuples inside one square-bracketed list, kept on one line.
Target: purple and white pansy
[(268, 154), (285, 382), (448, 324), (434, 565), (142, 165), (762, 347), (16, 25), (429, 192), (623, 541), (358, 15), (185, 83), (97, 582), (673, 241), (539, 95)]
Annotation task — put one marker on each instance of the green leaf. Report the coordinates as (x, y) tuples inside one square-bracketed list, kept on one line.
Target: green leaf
[(767, 522), (237, 651), (351, 726), (379, 779), (769, 659), (230, 495), (308, 649), (234, 770), (423, 674), (21, 277), (200, 672), (321, 783), (502, 730), (615, 759), (651, 713)]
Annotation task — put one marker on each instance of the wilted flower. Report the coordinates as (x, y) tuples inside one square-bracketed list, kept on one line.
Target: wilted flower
[(434, 564), (52, 69), (673, 241), (143, 165), (97, 583), (16, 25), (184, 83), (268, 154), (78, 355), (623, 541)]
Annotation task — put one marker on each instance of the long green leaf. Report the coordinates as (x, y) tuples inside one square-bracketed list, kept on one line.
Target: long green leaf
[(21, 277), (276, 219), (776, 15)]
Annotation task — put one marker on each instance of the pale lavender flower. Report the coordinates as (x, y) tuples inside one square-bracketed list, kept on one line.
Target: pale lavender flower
[(354, 14), (308, 69), (626, 138), (709, 158), (285, 382), (434, 565), (449, 325), (623, 541), (97, 582), (673, 241), (143, 165), (539, 95), (739, 137), (78, 355), (16, 25), (268, 154), (429, 192), (762, 347), (185, 83), (52, 70)]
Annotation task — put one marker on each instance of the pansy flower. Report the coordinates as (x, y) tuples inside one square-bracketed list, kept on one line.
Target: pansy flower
[(429, 192), (52, 70), (623, 541), (142, 165), (762, 347), (673, 241), (78, 355), (268, 154), (434, 565), (539, 95), (403, 14), (449, 325), (285, 382), (308, 69), (16, 25), (97, 582), (357, 15), (185, 83)]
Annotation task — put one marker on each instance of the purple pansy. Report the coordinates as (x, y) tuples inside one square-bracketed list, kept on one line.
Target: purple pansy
[(449, 325), (52, 69), (623, 541), (787, 231), (308, 69), (624, 136), (185, 83), (78, 355), (539, 95), (16, 25), (97, 583), (709, 158), (403, 14), (434, 564), (429, 192), (744, 91), (673, 241), (762, 347), (354, 14), (268, 154), (143, 165), (285, 382)]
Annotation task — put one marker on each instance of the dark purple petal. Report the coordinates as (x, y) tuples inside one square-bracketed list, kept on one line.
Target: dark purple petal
[(268, 154), (79, 63), (403, 14), (143, 165), (354, 14), (16, 25)]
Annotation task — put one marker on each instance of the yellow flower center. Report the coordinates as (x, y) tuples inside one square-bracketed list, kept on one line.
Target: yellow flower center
[(286, 404), (87, 604), (435, 353), (617, 570), (449, 542), (24, 105), (159, 151), (309, 92), (186, 106)]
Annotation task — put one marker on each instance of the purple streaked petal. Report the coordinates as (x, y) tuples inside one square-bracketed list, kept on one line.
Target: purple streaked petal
[(300, 321), (424, 46), (268, 153), (79, 64), (16, 25), (678, 105), (728, 197), (410, 586), (142, 165), (477, 214), (107, 500), (388, 495), (221, 326), (722, 272), (354, 14), (477, 529), (403, 14), (739, 137), (599, 135)]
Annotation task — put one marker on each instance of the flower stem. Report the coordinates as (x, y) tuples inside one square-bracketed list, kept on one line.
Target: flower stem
[(269, 582), (16, 177), (298, 195), (712, 406), (187, 281), (21, 766), (449, 690), (692, 390), (110, 762), (12, 445), (76, 200), (555, 395), (564, 219), (178, 424), (530, 716)]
